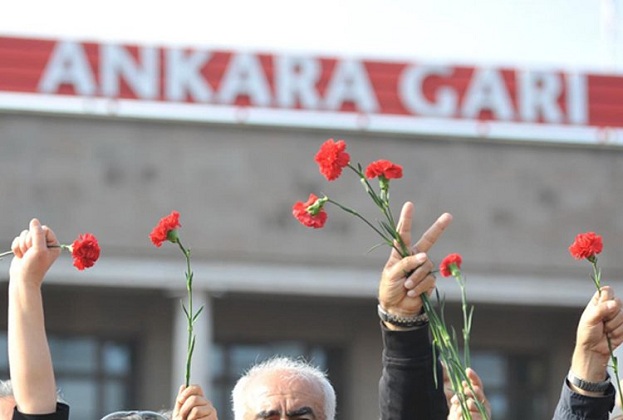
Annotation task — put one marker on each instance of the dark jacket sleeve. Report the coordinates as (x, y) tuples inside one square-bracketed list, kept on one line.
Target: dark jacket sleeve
[(62, 413), (574, 406), (407, 387)]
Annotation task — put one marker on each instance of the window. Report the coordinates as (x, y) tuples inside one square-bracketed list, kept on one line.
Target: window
[(229, 361), (93, 373)]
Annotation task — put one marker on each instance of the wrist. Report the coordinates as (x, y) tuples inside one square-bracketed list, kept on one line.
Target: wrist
[(24, 285), (590, 366), (393, 306)]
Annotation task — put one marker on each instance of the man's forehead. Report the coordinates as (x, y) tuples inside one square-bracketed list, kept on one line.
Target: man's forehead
[(274, 392), (306, 394), (285, 383)]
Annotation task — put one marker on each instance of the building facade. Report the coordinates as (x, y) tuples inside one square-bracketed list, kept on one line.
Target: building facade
[(267, 284)]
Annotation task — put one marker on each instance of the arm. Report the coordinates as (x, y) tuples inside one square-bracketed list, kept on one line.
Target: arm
[(407, 388), (602, 318), (191, 404), (30, 362)]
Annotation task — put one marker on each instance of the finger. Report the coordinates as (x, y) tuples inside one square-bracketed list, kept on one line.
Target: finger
[(425, 286), (24, 241), (407, 266), (187, 391), (195, 407), (614, 327), (472, 406), (37, 235), (189, 397), (602, 295), (433, 233), (474, 378), (16, 248), (475, 392), (595, 314), (455, 412), (179, 400), (423, 268), (50, 237), (614, 323), (613, 311), (195, 390), (404, 224)]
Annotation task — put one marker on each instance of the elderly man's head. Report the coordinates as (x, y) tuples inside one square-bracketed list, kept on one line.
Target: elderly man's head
[(284, 389)]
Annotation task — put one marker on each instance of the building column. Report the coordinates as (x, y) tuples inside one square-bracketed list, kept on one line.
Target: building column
[(203, 330)]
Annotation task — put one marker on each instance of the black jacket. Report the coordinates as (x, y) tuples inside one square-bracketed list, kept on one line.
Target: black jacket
[(407, 387), (62, 413), (574, 406)]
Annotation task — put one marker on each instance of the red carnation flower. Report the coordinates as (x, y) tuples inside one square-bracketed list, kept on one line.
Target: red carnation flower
[(586, 245), (331, 158), (446, 267), (383, 168), (85, 251), (166, 229), (311, 213)]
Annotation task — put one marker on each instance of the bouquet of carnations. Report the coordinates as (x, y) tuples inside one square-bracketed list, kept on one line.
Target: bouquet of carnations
[(332, 158)]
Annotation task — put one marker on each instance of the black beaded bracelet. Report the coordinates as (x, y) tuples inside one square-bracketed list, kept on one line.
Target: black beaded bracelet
[(402, 321)]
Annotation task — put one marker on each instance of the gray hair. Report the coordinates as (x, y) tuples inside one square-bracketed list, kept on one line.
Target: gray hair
[(6, 389), (138, 415), (296, 369)]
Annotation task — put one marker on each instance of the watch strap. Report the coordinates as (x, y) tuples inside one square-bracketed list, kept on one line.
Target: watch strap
[(589, 386)]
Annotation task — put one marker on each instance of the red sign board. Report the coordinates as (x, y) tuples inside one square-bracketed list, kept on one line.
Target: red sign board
[(299, 90)]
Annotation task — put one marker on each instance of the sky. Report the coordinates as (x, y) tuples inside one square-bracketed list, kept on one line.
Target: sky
[(565, 34)]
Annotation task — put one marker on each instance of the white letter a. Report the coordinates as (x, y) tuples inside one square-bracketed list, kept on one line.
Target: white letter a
[(68, 65)]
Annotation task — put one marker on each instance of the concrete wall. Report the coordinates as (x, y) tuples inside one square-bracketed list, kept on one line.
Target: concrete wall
[(516, 206)]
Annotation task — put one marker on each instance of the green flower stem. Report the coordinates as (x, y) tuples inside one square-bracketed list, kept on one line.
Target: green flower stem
[(383, 201), (443, 342), (467, 319), (190, 316), (449, 353), (615, 363), (356, 214), (4, 254), (7, 253), (596, 277)]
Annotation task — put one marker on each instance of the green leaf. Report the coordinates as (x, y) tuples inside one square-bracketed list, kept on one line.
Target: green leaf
[(185, 311), (197, 314)]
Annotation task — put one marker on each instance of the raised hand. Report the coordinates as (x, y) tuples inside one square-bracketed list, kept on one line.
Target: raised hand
[(404, 279), (191, 404)]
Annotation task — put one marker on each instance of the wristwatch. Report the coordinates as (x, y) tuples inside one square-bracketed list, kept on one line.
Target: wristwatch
[(402, 321), (589, 386)]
